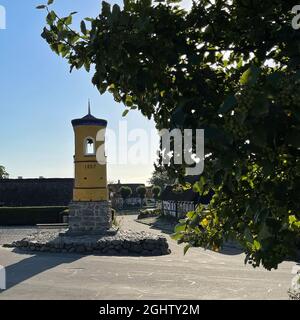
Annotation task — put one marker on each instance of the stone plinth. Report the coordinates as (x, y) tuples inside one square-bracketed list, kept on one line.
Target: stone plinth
[(89, 217)]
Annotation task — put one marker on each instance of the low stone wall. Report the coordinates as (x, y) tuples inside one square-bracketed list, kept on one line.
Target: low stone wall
[(122, 243)]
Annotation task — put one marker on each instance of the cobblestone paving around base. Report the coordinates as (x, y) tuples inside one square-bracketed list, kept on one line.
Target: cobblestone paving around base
[(10, 234)]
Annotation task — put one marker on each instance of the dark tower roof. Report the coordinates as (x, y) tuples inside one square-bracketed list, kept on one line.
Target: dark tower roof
[(89, 120)]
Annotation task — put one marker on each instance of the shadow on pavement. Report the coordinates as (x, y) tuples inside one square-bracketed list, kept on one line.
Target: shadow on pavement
[(164, 225), (41, 262), (129, 212), (167, 226), (30, 267), (231, 249)]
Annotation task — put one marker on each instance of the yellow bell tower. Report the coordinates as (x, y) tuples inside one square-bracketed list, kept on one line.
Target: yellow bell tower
[(89, 212), (90, 176)]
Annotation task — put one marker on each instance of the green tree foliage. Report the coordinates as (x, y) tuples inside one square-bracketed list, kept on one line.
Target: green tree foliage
[(161, 178), (141, 190), (156, 190), (3, 173), (125, 192), (229, 67)]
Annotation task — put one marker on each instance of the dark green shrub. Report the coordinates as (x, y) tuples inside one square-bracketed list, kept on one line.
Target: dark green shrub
[(156, 191), (21, 216), (125, 192)]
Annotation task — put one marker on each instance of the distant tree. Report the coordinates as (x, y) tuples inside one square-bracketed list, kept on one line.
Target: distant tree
[(141, 190), (3, 173), (156, 191), (125, 192), (161, 178)]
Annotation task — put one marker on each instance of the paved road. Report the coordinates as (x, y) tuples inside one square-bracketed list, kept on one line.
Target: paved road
[(198, 275)]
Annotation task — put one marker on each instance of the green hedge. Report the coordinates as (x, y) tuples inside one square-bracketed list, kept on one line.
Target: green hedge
[(21, 216)]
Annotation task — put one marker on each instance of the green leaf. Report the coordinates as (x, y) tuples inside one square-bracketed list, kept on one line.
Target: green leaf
[(87, 66), (264, 233), (195, 222), (68, 20), (51, 17), (125, 113), (46, 34), (250, 76), (190, 214), (102, 87), (50, 2), (248, 235), (176, 236), (229, 103), (186, 248), (180, 227), (126, 4), (199, 185), (41, 6), (115, 11), (186, 186), (54, 47), (105, 9), (128, 101), (83, 27), (292, 219), (256, 245), (64, 51)]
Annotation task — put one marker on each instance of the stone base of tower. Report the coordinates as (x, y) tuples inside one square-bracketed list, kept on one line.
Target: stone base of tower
[(89, 217)]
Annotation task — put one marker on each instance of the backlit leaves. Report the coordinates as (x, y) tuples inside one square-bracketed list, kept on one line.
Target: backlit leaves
[(250, 76), (223, 68)]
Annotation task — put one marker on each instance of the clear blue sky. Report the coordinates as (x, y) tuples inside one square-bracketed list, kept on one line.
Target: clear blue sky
[(39, 98)]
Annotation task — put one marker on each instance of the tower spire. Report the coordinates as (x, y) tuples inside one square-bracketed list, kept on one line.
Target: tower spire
[(89, 107)]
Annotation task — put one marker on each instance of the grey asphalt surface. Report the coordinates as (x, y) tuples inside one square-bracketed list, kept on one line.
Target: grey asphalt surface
[(199, 274)]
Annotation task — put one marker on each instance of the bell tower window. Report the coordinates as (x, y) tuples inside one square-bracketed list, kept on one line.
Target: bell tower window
[(89, 147)]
